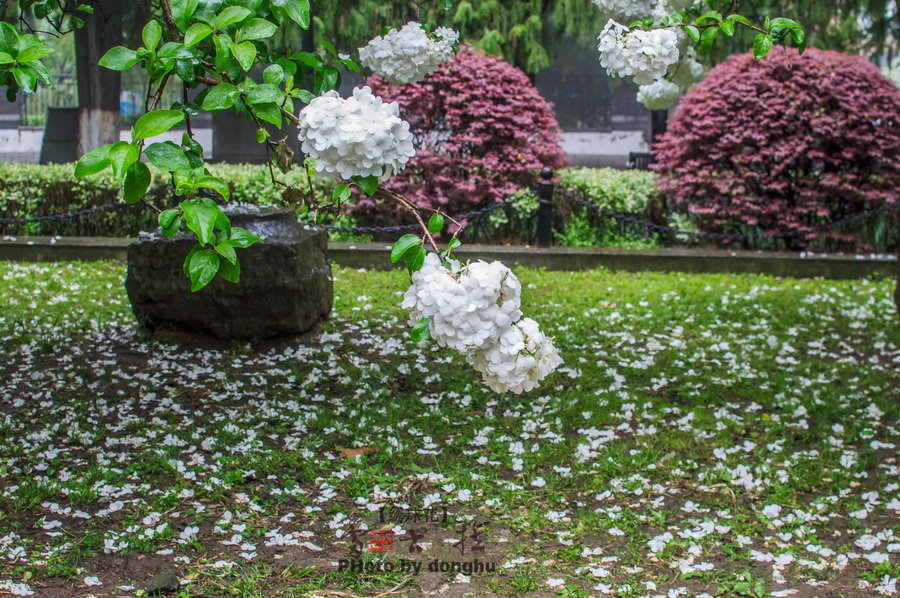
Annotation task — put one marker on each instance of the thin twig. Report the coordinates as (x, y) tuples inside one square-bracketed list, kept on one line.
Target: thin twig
[(415, 211)]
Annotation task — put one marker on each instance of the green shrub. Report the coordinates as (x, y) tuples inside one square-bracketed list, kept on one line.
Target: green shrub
[(624, 191), (629, 192), (31, 190), (28, 190)]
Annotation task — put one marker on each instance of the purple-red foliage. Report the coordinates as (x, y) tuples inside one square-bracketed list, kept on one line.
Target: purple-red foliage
[(482, 132), (788, 144)]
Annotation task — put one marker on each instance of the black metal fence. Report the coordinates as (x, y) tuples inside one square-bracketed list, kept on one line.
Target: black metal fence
[(549, 199)]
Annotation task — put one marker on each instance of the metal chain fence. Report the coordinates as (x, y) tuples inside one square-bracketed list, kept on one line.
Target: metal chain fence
[(476, 214), (661, 228)]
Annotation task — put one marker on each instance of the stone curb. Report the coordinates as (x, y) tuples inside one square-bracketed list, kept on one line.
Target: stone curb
[(375, 256)]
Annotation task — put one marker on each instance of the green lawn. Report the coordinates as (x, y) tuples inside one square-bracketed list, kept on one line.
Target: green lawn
[(707, 435)]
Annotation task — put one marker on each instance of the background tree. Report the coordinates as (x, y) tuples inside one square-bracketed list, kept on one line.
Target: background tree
[(99, 89), (525, 32), (522, 32)]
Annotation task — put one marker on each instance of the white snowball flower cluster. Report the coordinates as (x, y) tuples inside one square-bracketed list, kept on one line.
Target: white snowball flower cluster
[(627, 10), (687, 71), (358, 136), (409, 55), (643, 55), (632, 10), (476, 310), (521, 358), (659, 95), (468, 307)]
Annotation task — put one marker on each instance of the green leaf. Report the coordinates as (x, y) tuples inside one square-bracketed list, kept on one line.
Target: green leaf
[(6, 58), (231, 15), (174, 50), (151, 35), (223, 54), (196, 33), (256, 29), (185, 71), (25, 78), (784, 23), (727, 27), (174, 227), (167, 156), (182, 11), (708, 38), (119, 59), (326, 79), (435, 224), (263, 94), (261, 135), (93, 162), (167, 218), (296, 10), (368, 185), (34, 52), (403, 245), (226, 250), (42, 73), (202, 268), (710, 15), (244, 53), (421, 331), (453, 244), (693, 32), (341, 193), (242, 238), (216, 184), (762, 45), (121, 156), (269, 113), (273, 75), (156, 123), (415, 258), (309, 59), (137, 181), (224, 225), (220, 97), (740, 19), (230, 272), (200, 217), (9, 37)]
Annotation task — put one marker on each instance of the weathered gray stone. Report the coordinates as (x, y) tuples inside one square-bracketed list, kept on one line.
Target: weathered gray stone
[(285, 287)]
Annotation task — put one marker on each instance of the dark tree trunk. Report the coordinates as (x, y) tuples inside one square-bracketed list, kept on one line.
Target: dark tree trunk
[(99, 89), (659, 121)]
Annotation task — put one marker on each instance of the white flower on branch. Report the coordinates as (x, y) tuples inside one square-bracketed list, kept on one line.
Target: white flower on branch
[(357, 136), (467, 306), (408, 55), (475, 309), (519, 360), (659, 95), (643, 55), (686, 71), (627, 10)]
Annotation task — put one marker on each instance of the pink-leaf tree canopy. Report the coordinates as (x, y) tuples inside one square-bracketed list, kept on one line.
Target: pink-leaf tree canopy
[(786, 144), (481, 130)]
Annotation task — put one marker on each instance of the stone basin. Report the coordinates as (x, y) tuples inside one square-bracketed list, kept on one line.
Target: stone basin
[(285, 287)]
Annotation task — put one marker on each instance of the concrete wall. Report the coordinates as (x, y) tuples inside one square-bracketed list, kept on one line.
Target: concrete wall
[(24, 144)]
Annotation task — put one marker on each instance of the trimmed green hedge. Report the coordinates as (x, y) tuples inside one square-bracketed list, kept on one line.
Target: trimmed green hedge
[(36, 190), (28, 190), (625, 191)]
